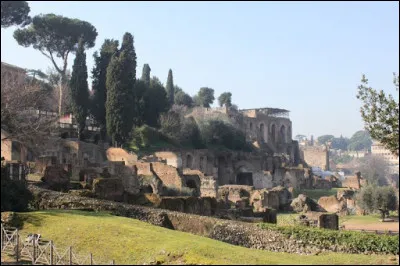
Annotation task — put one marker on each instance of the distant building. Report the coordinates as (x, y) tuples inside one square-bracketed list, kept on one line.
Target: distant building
[(378, 149), (357, 154)]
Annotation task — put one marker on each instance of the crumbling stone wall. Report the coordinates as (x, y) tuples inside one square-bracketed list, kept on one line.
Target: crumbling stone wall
[(172, 158), (315, 156), (118, 154), (233, 232), (328, 221), (108, 188), (169, 175), (331, 204), (321, 183), (207, 184)]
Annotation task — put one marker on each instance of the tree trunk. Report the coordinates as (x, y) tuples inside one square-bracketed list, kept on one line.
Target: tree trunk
[(382, 215)]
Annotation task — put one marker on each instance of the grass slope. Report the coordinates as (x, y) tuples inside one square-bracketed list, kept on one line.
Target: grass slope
[(130, 241)]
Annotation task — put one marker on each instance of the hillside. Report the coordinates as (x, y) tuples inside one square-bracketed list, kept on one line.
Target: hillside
[(129, 241)]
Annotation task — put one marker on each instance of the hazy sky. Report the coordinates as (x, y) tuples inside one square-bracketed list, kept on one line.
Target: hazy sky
[(307, 57)]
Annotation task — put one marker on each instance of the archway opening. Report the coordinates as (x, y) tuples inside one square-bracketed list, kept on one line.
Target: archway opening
[(189, 161), (262, 131), (282, 132), (147, 189), (244, 177), (273, 128)]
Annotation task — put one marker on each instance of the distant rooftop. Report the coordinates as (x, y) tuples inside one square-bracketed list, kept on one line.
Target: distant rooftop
[(269, 109)]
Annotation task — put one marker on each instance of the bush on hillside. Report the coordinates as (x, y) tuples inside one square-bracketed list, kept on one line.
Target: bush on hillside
[(352, 242), (219, 133), (15, 196)]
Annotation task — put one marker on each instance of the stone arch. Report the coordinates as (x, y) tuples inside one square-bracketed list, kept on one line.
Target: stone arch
[(282, 134), (244, 173), (262, 131), (273, 133), (148, 189), (193, 182), (189, 161)]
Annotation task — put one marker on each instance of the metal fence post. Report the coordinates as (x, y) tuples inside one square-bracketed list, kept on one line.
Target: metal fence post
[(34, 250), (17, 246), (70, 255), (113, 262), (91, 259), (2, 236), (51, 252)]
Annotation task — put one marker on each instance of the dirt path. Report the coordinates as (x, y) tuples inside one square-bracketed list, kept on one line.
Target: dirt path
[(392, 226)]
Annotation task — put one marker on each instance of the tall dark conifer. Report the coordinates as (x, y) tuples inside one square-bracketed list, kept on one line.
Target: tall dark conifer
[(170, 88), (79, 89), (99, 74), (121, 77), (146, 74)]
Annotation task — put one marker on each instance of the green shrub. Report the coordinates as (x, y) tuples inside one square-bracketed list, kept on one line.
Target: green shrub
[(144, 136), (15, 196), (352, 242), (216, 132)]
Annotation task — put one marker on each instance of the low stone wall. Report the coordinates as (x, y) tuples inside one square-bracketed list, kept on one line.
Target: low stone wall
[(108, 188), (233, 232)]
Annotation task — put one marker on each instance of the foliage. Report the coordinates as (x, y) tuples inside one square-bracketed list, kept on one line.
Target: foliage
[(99, 75), (380, 113), (219, 133), (324, 139), (346, 158), (146, 74), (20, 95), (353, 242), (144, 136), (14, 13), (182, 98), (170, 88), (225, 99), (340, 143), (373, 198), (57, 36), (183, 130), (80, 89), (155, 101), (171, 124), (145, 241), (120, 92), (14, 194), (361, 140), (300, 137), (374, 169), (204, 98)]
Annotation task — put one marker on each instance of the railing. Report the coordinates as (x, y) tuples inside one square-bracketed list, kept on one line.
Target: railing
[(40, 251)]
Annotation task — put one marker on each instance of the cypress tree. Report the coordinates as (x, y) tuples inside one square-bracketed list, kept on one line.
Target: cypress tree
[(170, 88), (99, 74), (146, 74), (79, 89), (121, 77)]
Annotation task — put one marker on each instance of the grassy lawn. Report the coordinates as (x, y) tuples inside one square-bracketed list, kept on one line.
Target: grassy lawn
[(129, 241)]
